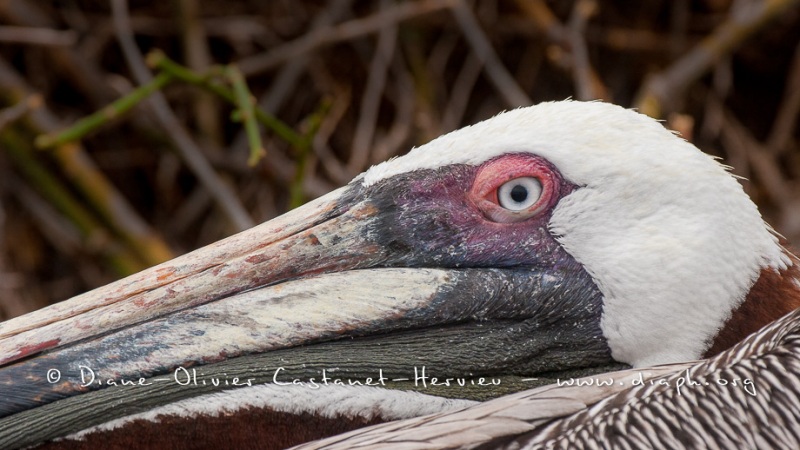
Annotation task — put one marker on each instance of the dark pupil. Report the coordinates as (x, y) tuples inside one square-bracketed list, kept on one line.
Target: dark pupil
[(519, 193)]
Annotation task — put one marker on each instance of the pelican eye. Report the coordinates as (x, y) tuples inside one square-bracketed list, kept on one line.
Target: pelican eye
[(519, 194), (514, 188)]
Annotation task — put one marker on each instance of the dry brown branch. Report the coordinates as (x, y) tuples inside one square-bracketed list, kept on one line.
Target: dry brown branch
[(14, 113), (428, 74), (745, 19), (585, 86), (627, 39), (434, 81), (59, 232), (38, 36), (189, 151), (786, 119), (373, 93), (82, 72), (336, 171), (198, 58), (768, 171), (397, 136), (346, 31), (503, 81), (77, 165), (286, 78), (680, 13), (530, 67), (74, 63), (710, 130), (280, 91), (263, 198), (190, 210), (565, 39), (462, 90), (545, 20), (440, 53), (765, 166), (12, 302), (95, 236)]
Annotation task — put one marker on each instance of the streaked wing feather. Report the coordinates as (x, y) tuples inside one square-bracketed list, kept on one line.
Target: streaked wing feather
[(624, 414)]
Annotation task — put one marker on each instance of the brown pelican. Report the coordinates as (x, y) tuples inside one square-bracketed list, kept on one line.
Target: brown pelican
[(562, 237)]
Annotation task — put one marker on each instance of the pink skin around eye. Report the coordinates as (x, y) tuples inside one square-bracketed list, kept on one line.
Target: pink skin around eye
[(497, 172)]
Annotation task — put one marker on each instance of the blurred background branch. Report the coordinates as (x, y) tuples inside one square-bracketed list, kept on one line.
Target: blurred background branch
[(152, 164)]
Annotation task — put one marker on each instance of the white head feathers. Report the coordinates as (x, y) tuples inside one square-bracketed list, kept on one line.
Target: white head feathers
[(669, 236)]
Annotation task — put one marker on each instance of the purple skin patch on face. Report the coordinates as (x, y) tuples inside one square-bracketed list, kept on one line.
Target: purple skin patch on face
[(429, 218), (437, 221)]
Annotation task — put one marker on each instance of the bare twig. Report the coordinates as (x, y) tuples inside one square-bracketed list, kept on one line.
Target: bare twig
[(158, 59), (439, 54), (11, 284), (346, 31), (786, 120), (38, 36), (743, 22), (104, 197), (545, 20), (81, 71), (198, 58), (14, 113), (371, 100), (428, 73), (282, 87), (679, 21), (190, 153), (564, 39), (629, 39), (190, 210), (296, 189), (530, 67), (461, 92), (503, 81), (61, 233), (766, 168), (585, 87), (768, 171), (94, 235), (330, 164), (285, 80), (398, 134)]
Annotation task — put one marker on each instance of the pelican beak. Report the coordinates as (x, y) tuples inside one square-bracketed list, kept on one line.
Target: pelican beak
[(326, 271)]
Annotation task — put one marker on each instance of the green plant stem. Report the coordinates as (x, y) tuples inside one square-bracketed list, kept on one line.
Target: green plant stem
[(122, 261), (303, 151), (94, 121), (159, 60), (244, 101)]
